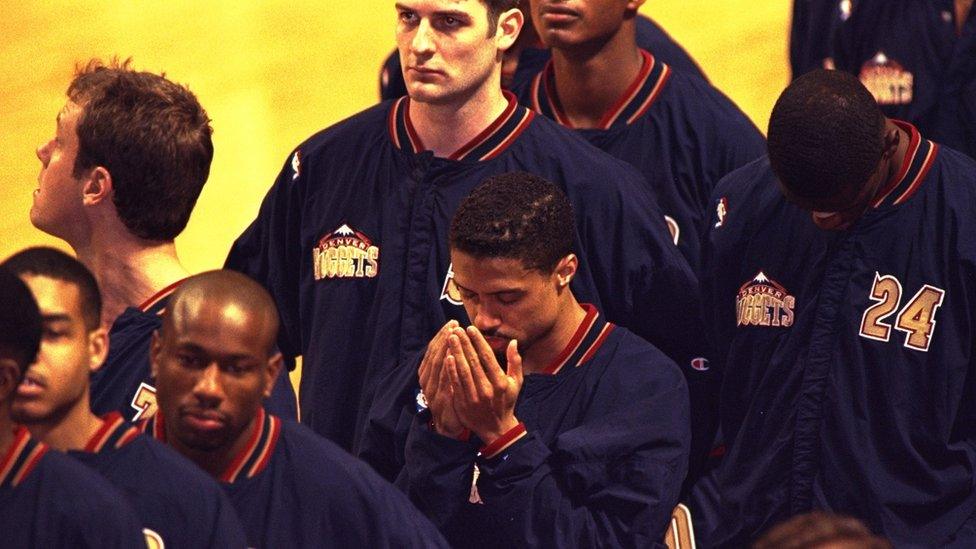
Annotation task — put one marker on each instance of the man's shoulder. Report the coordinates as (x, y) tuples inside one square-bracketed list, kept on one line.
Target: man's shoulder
[(567, 157), (363, 126)]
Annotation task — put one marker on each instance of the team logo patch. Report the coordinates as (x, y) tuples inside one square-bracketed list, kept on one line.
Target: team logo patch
[(296, 165), (887, 80), (345, 253), (450, 290), (764, 302), (673, 228), (721, 210), (700, 364)]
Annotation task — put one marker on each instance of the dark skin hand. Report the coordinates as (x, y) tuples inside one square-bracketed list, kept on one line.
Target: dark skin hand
[(484, 395)]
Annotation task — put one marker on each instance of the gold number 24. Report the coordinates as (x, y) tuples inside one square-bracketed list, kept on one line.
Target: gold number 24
[(916, 318)]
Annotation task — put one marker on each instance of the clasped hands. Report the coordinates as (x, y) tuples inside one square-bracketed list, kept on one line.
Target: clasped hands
[(465, 387)]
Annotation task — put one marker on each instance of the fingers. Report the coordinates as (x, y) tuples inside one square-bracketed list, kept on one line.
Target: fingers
[(475, 366), (434, 355), (514, 361), (462, 376), (489, 363)]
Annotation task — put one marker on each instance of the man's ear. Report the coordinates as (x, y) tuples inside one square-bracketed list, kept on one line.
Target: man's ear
[(97, 348), (98, 187), (9, 378), (273, 370), (892, 138), (566, 270), (509, 25), (633, 6)]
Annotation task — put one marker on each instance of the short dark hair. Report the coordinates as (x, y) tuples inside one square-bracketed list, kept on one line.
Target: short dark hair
[(20, 321), (151, 135), (826, 136), (495, 10), (515, 215), (815, 529), (55, 264)]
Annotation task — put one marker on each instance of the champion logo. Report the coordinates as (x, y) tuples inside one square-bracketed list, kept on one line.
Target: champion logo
[(345, 253), (700, 364)]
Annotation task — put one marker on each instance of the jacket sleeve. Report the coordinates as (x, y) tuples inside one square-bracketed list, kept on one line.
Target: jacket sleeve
[(269, 251), (612, 481), (652, 291)]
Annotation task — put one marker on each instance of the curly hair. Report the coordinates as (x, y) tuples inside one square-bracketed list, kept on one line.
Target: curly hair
[(515, 215), (826, 136)]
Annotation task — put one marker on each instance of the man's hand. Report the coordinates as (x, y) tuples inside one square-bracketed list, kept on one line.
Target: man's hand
[(435, 383), (484, 394)]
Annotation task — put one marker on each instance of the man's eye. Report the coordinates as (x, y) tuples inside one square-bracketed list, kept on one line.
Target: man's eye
[(189, 361), (407, 17), (508, 299)]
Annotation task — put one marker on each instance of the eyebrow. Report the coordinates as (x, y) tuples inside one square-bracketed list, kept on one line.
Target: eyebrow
[(509, 291), (55, 317), (450, 13), (193, 347)]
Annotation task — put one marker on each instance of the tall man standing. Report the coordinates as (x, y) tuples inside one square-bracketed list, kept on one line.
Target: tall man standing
[(118, 182), (352, 239)]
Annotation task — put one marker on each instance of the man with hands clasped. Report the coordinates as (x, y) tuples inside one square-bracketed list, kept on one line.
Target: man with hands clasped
[(541, 424)]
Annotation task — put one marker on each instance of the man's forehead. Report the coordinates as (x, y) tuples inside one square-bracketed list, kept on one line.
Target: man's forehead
[(55, 297), (444, 5)]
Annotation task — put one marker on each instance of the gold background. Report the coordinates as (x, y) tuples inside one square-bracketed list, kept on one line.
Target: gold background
[(271, 73)]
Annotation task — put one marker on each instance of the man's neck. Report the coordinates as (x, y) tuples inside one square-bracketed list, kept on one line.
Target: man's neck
[(214, 462), (543, 352), (6, 428), (72, 431), (130, 270), (445, 128), (898, 157), (590, 80)]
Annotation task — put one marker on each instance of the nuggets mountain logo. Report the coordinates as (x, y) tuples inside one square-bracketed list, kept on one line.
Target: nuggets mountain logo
[(887, 80), (345, 253), (450, 290), (764, 302)]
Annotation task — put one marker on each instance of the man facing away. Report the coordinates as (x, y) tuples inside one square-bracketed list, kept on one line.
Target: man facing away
[(215, 361), (545, 425), (351, 240), (178, 505), (840, 284), (118, 182), (46, 498)]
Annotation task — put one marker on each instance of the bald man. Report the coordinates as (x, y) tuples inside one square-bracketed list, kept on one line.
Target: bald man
[(215, 360)]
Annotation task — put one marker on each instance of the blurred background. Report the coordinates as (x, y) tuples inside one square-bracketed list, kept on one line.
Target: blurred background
[(271, 73)]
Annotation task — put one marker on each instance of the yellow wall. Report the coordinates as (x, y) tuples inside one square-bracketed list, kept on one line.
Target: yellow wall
[(271, 73)]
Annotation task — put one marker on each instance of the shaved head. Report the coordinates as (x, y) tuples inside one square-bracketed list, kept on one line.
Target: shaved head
[(214, 360), (235, 294)]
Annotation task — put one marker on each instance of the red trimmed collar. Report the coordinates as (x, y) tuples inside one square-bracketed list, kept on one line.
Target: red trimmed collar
[(633, 104), (488, 144), (157, 302), (256, 454), (587, 339), (915, 165), (24, 454), (114, 433)]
